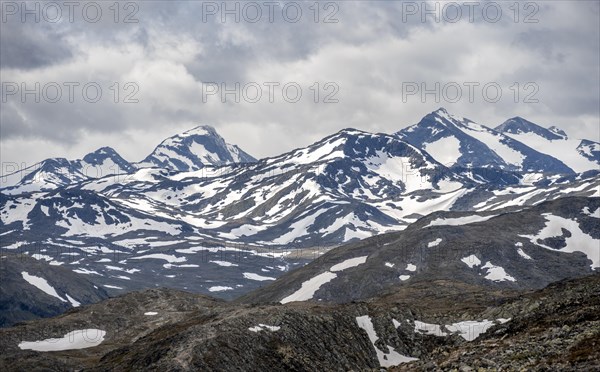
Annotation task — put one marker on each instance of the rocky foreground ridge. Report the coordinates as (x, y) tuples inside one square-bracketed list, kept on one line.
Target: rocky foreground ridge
[(557, 327)]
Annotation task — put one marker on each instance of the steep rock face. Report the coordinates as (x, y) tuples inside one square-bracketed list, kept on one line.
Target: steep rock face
[(194, 149), (34, 289)]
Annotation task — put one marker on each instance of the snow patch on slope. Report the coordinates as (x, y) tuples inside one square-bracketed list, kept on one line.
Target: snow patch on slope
[(445, 150), (470, 329), (41, 284), (497, 273), (386, 359), (577, 242), (458, 221), (471, 261), (351, 262), (262, 327), (78, 339), (434, 243), (309, 287), (260, 278)]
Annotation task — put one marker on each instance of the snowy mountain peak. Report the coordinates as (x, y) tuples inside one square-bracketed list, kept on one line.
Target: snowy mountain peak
[(448, 116), (201, 130), (441, 112), (580, 156), (57, 172), (106, 150), (518, 125), (103, 162), (194, 149), (351, 132), (456, 141), (103, 153)]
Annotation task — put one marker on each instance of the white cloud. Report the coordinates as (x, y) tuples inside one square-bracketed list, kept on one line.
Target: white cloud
[(369, 53)]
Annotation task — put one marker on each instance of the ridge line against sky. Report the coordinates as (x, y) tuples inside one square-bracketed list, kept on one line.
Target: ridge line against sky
[(370, 54)]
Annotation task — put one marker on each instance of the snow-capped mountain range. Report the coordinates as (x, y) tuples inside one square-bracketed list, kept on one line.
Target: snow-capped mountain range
[(516, 145), (191, 150), (579, 155), (506, 154), (198, 206), (58, 172)]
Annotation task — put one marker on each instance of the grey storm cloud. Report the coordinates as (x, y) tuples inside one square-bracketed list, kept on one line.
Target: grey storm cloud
[(370, 50), (26, 46)]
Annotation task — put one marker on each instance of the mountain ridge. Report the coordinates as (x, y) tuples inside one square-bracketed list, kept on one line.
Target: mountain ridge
[(509, 152), (194, 149), (157, 224), (518, 125), (464, 143), (105, 161), (580, 155)]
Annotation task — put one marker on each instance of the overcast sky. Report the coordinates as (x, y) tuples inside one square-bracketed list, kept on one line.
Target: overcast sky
[(362, 54)]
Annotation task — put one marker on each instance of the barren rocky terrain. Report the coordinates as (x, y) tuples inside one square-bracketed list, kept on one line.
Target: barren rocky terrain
[(556, 327)]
